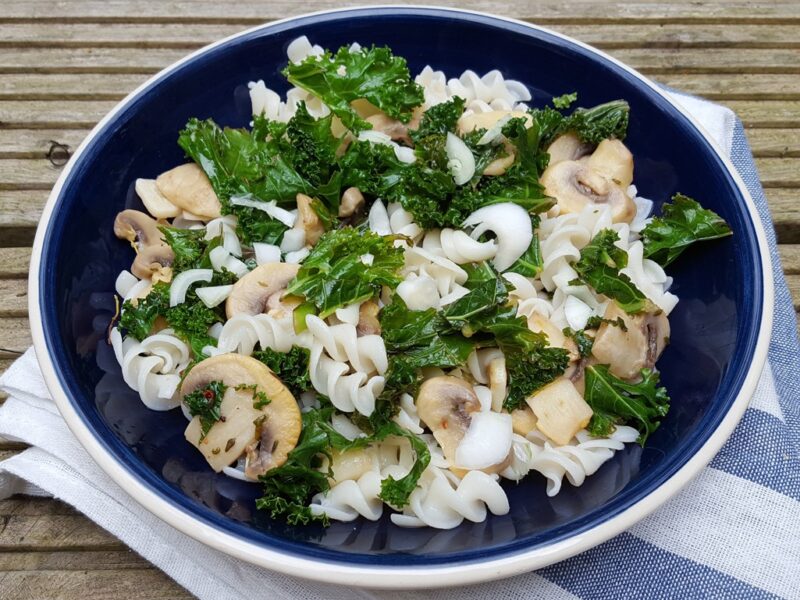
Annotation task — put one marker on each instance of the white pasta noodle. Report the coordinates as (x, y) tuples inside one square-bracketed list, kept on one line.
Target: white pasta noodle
[(152, 367), (526, 296), (447, 275), (576, 461), (241, 334), (407, 416), (457, 246), (350, 499), (443, 501), (344, 367), (650, 278)]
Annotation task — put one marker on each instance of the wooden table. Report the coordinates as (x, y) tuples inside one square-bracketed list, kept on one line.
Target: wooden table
[(63, 65)]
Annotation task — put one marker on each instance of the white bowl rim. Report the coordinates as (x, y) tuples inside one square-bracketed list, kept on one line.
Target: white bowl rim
[(382, 576)]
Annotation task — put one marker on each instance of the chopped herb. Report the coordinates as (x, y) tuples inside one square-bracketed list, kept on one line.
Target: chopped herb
[(565, 100), (205, 403)]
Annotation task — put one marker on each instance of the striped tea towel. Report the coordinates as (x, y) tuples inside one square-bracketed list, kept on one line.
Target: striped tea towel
[(733, 532)]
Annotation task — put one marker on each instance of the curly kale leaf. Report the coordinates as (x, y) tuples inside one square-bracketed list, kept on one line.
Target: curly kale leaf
[(290, 367), (531, 263), (205, 403), (599, 267), (439, 119), (335, 273), (680, 225), (615, 401), (372, 74)]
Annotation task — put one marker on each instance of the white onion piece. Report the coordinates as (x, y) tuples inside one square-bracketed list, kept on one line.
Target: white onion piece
[(182, 281), (487, 441), (367, 259), (266, 253), (221, 259), (511, 225), (484, 395), (293, 240), (577, 312), (214, 226), (297, 256), (230, 241), (379, 219), (271, 208), (404, 154), (235, 473), (125, 282), (137, 289), (214, 295), (493, 133), (460, 160), (419, 293), (374, 137), (300, 48)]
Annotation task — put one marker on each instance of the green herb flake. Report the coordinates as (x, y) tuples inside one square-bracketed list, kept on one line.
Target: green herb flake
[(205, 403)]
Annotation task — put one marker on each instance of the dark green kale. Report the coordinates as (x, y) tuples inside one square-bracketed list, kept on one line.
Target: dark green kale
[(680, 225), (312, 147), (599, 267), (289, 488), (615, 402), (591, 125), (335, 273), (583, 341), (290, 367), (531, 263), (439, 119), (373, 74), (205, 403)]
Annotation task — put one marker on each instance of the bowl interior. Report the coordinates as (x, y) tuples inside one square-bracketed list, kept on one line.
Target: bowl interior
[(713, 328)]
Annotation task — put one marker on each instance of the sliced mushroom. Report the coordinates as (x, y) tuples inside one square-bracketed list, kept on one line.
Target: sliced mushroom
[(188, 187), (395, 129), (266, 434), (308, 219), (368, 323), (575, 185), (498, 381), (613, 159), (351, 464), (251, 295), (487, 120), (154, 257), (352, 201), (638, 346), (560, 410), (500, 165), (567, 147), (154, 201), (445, 404)]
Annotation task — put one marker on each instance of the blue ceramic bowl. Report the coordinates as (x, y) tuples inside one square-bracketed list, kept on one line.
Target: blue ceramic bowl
[(719, 329)]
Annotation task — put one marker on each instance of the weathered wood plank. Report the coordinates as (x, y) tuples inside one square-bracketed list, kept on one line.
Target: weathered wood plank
[(793, 281), (54, 532), (790, 258), (37, 143), (30, 506), (72, 561), (130, 584), (767, 113), (13, 298), (738, 86), (547, 11), (777, 143), (27, 174), (146, 60), (778, 172), (14, 263), (4, 364), (69, 86), (785, 207), (15, 337), (52, 114), (193, 35), (20, 209)]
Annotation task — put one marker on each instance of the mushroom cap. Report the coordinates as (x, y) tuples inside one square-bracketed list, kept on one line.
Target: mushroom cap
[(251, 294), (487, 120), (352, 201), (154, 262), (138, 228), (445, 404), (368, 323), (627, 352), (575, 185), (500, 165), (613, 159), (567, 147), (187, 187), (276, 425), (308, 219), (392, 127)]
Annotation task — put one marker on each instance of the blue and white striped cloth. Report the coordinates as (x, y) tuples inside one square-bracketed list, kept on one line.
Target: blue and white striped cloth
[(733, 532)]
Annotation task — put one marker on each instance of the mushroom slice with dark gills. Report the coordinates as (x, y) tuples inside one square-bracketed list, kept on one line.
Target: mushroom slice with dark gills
[(259, 415), (638, 345), (395, 129), (154, 257), (447, 405), (576, 185), (261, 289)]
